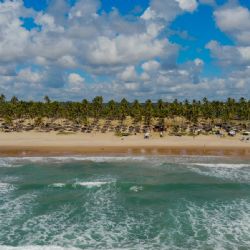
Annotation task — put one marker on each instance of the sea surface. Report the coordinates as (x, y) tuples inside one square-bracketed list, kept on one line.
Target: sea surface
[(124, 203)]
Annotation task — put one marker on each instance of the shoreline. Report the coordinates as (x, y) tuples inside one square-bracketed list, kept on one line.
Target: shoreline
[(52, 144), (50, 151)]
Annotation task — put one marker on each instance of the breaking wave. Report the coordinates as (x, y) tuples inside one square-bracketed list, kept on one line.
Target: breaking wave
[(6, 187), (37, 248), (232, 172), (145, 204)]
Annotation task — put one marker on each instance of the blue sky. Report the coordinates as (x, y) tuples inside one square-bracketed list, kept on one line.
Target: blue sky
[(138, 49)]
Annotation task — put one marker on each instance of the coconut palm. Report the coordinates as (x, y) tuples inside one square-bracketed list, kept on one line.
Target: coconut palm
[(2, 98), (148, 112), (136, 111), (97, 106)]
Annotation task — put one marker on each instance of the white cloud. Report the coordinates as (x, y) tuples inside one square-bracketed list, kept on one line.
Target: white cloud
[(149, 14), (84, 9), (75, 83), (133, 54), (122, 49), (75, 79), (67, 61), (169, 9), (234, 20), (245, 53), (150, 66), (28, 75), (188, 5), (198, 62), (229, 55), (13, 37), (129, 74)]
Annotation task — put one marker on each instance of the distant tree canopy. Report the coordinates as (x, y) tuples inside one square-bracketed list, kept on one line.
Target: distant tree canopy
[(229, 110)]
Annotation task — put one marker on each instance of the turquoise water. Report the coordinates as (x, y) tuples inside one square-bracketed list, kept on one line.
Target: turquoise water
[(124, 203)]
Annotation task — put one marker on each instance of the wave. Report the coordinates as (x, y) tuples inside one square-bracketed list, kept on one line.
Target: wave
[(8, 162), (19, 161), (6, 187), (153, 161), (136, 188), (222, 165), (102, 220), (87, 184), (37, 248), (226, 171), (91, 184), (57, 185), (201, 226)]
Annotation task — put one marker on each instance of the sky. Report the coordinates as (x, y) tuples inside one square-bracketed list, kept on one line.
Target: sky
[(136, 49)]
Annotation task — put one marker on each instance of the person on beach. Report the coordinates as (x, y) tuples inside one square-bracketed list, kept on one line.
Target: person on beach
[(146, 135)]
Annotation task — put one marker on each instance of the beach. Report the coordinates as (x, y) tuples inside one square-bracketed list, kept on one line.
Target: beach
[(52, 144)]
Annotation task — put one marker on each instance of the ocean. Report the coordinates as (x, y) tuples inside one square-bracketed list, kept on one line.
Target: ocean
[(136, 203)]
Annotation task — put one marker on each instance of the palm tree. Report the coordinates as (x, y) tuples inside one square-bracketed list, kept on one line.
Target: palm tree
[(97, 105), (160, 108), (148, 112), (193, 111), (123, 109), (14, 100), (111, 109), (136, 111), (2, 98), (85, 107), (46, 99)]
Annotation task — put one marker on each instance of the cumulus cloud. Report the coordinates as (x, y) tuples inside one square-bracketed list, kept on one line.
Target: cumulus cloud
[(83, 39), (76, 82), (188, 5), (169, 9), (123, 55), (122, 50), (151, 66), (27, 75), (13, 37), (240, 20), (234, 20), (129, 74)]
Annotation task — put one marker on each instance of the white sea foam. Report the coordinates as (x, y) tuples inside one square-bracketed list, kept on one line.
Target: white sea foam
[(57, 185), (8, 162), (91, 184), (6, 187), (87, 184), (222, 165), (233, 172), (225, 224), (103, 223), (19, 161), (153, 160), (136, 188), (37, 248)]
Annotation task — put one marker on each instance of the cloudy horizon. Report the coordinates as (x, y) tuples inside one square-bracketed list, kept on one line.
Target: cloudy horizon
[(76, 49)]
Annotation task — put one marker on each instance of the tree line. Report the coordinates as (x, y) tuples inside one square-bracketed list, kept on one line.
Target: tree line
[(80, 111)]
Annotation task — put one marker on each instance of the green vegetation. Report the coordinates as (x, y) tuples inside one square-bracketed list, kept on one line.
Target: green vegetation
[(80, 111), (124, 118)]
